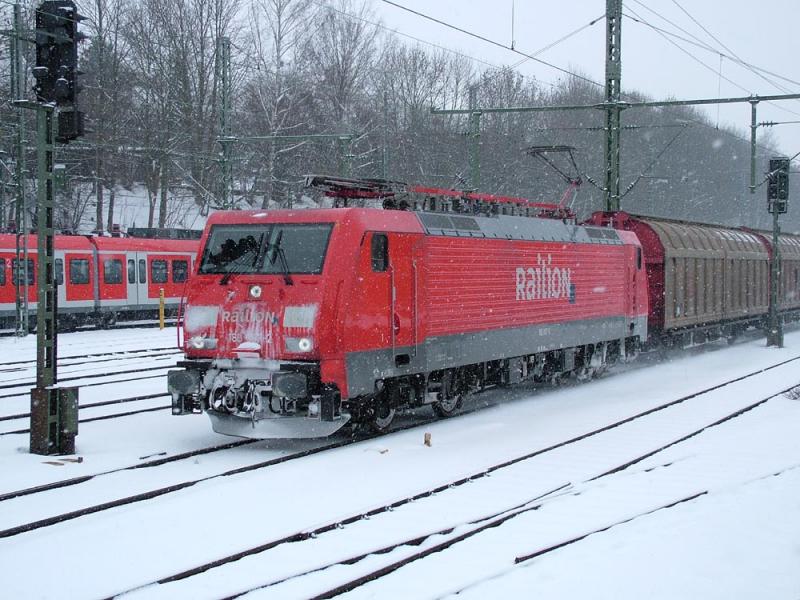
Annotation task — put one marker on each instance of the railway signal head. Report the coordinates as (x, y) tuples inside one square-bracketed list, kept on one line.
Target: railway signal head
[(57, 38), (778, 185)]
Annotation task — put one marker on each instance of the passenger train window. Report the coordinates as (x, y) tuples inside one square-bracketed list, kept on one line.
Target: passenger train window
[(2, 271), (131, 271), (17, 273), (380, 252), (638, 259), (59, 271), (78, 271), (180, 271), (142, 271), (112, 270), (158, 271)]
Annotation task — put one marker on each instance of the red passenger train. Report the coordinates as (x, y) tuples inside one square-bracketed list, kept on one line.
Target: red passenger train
[(100, 279), (298, 322)]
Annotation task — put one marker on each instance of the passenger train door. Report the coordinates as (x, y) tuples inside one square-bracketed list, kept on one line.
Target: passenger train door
[(131, 275), (141, 280)]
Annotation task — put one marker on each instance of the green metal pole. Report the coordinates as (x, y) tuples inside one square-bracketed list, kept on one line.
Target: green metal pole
[(21, 214), (225, 139), (775, 329), (613, 110), (659, 103), (474, 140), (385, 154), (46, 331), (753, 127), (345, 153)]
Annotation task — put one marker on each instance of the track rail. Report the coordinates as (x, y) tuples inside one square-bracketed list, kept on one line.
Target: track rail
[(94, 405), (485, 523), (29, 384), (26, 393), (100, 358), (144, 324), (128, 413)]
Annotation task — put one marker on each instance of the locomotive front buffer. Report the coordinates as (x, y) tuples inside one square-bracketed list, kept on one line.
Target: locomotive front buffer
[(257, 398)]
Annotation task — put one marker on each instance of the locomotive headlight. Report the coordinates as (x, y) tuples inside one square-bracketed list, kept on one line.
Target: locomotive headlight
[(255, 292), (302, 344), (201, 342)]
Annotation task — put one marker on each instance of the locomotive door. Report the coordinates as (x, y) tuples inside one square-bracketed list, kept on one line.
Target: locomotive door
[(402, 302)]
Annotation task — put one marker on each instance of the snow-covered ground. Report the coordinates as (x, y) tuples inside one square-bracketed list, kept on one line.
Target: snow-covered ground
[(738, 539)]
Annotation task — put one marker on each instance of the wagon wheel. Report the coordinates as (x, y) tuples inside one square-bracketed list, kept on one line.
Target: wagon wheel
[(454, 396)]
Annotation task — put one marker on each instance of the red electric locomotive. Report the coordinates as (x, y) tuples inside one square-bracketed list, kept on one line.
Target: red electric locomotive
[(298, 322)]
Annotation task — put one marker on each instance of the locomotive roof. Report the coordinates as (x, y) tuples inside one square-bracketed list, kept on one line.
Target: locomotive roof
[(445, 224), (373, 219)]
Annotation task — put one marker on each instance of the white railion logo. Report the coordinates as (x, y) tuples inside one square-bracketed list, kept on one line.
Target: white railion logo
[(543, 282), (249, 315)]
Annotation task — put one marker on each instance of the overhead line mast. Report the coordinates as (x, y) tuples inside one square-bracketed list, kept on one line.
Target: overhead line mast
[(613, 106)]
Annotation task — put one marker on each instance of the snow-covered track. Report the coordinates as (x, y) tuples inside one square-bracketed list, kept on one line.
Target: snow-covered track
[(115, 415), (473, 527), (155, 493), (30, 384), (26, 393), (149, 495), (144, 324), (90, 405), (83, 359), (497, 519), (143, 465), (455, 533)]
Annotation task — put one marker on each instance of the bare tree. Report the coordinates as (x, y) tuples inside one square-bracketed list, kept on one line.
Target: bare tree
[(279, 28), (342, 54), (107, 98)]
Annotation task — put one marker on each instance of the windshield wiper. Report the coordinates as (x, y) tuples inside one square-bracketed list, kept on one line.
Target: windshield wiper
[(237, 269), (275, 251)]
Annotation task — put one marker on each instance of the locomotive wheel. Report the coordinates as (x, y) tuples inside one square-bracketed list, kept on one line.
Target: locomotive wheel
[(382, 418), (447, 407)]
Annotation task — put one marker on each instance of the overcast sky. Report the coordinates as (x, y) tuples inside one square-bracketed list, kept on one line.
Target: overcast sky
[(765, 34)]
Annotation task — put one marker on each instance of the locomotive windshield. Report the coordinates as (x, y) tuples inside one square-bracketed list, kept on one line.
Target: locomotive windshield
[(248, 248)]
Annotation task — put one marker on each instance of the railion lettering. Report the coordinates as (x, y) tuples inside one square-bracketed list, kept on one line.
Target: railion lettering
[(543, 282)]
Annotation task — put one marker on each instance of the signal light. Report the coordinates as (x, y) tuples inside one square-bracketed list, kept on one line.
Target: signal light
[(778, 185), (56, 69)]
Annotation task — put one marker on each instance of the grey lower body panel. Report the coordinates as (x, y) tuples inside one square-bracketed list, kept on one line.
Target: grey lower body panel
[(364, 368)]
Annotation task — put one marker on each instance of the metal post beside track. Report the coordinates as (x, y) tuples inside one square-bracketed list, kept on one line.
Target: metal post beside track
[(777, 203), (161, 308), (54, 411)]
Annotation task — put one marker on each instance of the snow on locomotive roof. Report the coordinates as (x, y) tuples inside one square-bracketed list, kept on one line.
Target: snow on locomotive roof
[(515, 228)]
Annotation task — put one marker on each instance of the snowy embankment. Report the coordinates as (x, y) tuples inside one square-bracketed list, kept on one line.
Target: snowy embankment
[(738, 539)]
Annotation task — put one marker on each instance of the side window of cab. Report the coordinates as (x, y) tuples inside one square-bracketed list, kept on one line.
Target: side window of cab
[(380, 252)]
